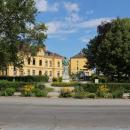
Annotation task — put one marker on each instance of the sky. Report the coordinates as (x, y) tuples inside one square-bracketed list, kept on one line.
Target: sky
[(72, 23)]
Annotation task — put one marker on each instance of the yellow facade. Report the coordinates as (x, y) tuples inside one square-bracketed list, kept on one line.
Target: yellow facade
[(77, 64), (45, 62)]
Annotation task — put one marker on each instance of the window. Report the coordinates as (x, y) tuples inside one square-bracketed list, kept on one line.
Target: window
[(33, 72), (40, 62), (40, 73), (58, 64), (29, 61), (50, 63), (50, 74), (58, 74), (21, 73), (33, 61), (46, 63), (46, 73), (28, 72)]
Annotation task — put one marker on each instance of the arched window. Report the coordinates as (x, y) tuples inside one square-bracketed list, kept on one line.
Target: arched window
[(40, 62), (40, 73), (29, 61), (46, 63), (58, 64), (33, 61)]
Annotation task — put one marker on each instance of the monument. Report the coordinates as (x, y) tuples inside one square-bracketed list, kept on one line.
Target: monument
[(65, 77)]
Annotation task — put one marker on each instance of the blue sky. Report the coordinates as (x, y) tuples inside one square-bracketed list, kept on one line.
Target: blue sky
[(72, 23)]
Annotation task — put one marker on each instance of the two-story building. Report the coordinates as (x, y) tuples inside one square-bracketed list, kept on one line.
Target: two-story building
[(45, 62), (77, 64)]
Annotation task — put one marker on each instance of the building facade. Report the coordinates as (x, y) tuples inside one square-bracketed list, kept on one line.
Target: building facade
[(77, 64), (45, 62)]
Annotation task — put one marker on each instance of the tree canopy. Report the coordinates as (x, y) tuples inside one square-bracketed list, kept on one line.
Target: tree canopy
[(109, 51), (18, 30)]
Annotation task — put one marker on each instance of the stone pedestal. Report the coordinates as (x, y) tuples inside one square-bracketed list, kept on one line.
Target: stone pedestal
[(65, 77)]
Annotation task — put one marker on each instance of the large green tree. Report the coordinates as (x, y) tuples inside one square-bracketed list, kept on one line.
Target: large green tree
[(16, 31), (109, 51)]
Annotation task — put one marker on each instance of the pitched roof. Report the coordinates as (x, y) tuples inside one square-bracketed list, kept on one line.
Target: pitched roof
[(79, 55), (49, 53)]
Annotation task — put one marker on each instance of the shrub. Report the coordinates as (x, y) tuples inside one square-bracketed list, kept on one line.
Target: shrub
[(62, 84), (108, 95), (40, 93), (43, 78), (117, 93), (92, 88), (102, 90), (66, 92), (28, 90), (91, 95), (7, 92), (57, 79), (40, 86), (80, 95)]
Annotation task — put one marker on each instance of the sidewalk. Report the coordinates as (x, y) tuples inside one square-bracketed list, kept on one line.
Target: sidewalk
[(64, 102)]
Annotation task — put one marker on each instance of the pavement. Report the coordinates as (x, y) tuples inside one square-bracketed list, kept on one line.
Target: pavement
[(64, 101), (23, 113)]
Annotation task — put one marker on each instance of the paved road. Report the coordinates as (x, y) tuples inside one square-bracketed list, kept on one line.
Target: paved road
[(54, 117)]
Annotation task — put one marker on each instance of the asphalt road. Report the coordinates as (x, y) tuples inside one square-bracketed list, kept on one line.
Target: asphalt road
[(54, 117)]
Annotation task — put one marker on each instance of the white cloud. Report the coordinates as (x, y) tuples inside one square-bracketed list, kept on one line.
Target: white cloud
[(73, 17), (43, 6), (64, 27), (94, 22), (54, 27), (85, 39), (71, 7)]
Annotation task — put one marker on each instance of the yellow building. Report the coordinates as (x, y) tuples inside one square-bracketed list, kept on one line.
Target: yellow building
[(77, 64), (45, 62)]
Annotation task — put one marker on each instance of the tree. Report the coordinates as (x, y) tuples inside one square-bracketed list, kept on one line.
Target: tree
[(15, 34), (109, 51)]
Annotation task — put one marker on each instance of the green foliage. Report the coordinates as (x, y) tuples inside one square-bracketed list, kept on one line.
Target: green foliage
[(7, 92), (26, 78), (40, 93), (80, 95), (16, 32), (66, 92), (109, 51), (105, 90), (62, 84), (57, 79), (91, 95)]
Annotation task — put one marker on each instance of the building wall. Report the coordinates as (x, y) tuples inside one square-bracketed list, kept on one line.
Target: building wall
[(50, 65), (77, 65)]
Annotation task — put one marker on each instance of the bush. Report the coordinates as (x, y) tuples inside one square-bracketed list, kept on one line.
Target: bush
[(40, 93), (117, 93), (106, 90), (80, 95), (66, 92), (57, 79), (43, 78), (7, 92), (40, 86), (62, 84), (102, 91), (7, 84), (91, 95), (28, 90)]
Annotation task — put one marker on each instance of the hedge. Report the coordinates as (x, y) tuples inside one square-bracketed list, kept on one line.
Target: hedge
[(26, 78), (16, 85), (92, 88), (63, 84)]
